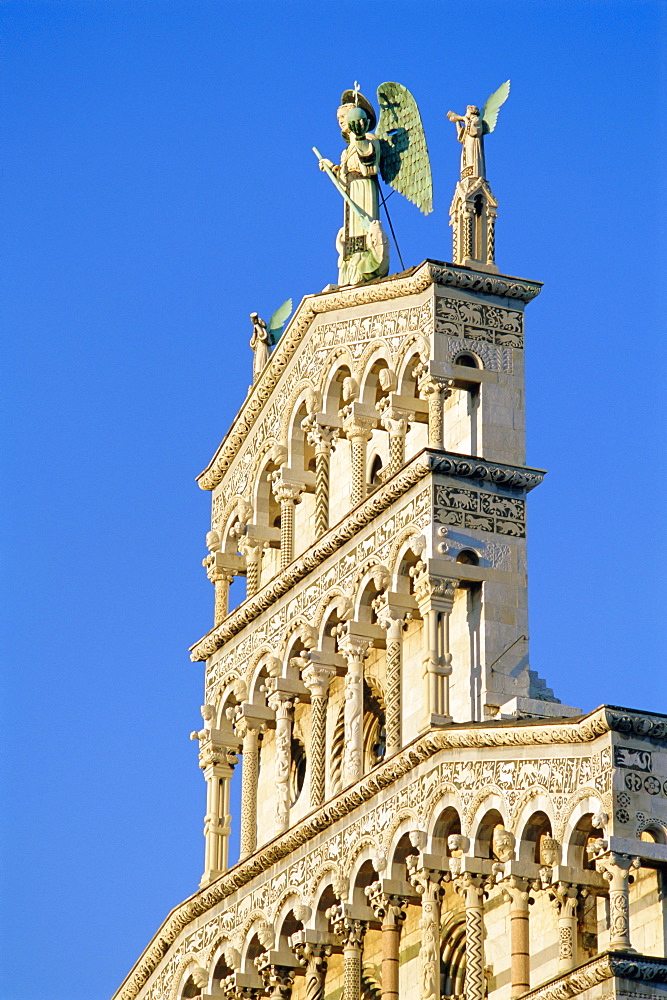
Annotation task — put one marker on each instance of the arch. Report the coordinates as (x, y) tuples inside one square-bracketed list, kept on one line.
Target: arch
[(182, 974), (415, 350), (285, 921), (376, 355), (490, 797), (654, 826), (453, 956), (447, 823), (289, 408), (404, 822), (579, 829), (362, 856), (332, 383), (531, 830), (468, 358), (442, 797), (489, 815), (400, 551), (258, 671)]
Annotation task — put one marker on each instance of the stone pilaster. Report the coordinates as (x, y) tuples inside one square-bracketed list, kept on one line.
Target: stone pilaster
[(355, 651), (435, 597), (317, 679), (283, 705), (249, 775)]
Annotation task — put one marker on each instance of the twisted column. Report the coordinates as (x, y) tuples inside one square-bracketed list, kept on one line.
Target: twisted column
[(317, 679), (352, 931), (615, 869), (428, 884), (471, 887), (249, 775), (436, 389), (322, 438), (516, 891), (358, 430), (288, 495), (283, 706), (355, 651), (314, 957), (394, 622)]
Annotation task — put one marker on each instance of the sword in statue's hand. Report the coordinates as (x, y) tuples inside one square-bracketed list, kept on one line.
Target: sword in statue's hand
[(364, 219)]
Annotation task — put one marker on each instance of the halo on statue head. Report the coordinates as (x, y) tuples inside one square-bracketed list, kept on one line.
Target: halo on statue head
[(354, 97)]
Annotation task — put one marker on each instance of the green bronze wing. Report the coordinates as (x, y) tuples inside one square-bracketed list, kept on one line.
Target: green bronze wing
[(278, 320), (493, 106), (404, 161)]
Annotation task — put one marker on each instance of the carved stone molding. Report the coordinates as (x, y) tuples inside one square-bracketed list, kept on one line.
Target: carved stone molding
[(599, 969)]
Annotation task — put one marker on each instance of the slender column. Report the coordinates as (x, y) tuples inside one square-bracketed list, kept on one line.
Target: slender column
[(288, 495), (615, 868), (394, 622), (435, 597), (219, 575), (436, 389), (428, 883), (390, 910), (358, 430), (355, 651), (490, 237), (396, 422), (467, 233), (249, 775), (314, 957), (217, 762), (252, 550), (516, 891), (317, 679), (472, 889), (283, 706), (278, 978), (352, 932), (564, 896), (322, 438)]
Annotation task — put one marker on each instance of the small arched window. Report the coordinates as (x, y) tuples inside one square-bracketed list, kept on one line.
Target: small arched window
[(468, 557), (467, 360)]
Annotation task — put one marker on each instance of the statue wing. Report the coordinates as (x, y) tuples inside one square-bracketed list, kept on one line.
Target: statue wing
[(493, 106), (278, 320), (404, 160)]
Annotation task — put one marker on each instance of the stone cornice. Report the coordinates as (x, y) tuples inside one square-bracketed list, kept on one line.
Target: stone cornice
[(625, 965), (410, 282), (425, 462), (454, 737)]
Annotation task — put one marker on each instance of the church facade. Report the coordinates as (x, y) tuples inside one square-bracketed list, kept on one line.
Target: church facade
[(421, 818)]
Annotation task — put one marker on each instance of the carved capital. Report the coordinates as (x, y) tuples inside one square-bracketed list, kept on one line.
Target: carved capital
[(430, 588), (317, 679), (281, 703), (319, 434), (286, 492), (357, 426), (354, 648), (351, 930), (387, 907)]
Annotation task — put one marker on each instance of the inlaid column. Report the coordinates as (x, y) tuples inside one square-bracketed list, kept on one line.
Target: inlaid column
[(314, 958), (358, 430), (217, 762), (393, 621), (564, 897), (249, 776), (322, 438), (252, 549), (317, 679), (435, 598), (428, 884), (435, 389), (355, 651), (388, 908), (471, 887), (351, 931), (219, 575), (615, 869), (288, 495), (396, 422), (516, 890), (283, 705)]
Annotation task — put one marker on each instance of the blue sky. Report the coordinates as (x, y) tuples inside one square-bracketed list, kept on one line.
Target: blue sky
[(158, 185)]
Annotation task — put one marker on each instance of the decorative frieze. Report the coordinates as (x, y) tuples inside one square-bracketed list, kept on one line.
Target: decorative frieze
[(478, 321), (481, 511)]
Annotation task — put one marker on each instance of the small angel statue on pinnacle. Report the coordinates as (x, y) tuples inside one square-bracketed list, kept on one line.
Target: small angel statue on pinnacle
[(471, 129), (397, 152)]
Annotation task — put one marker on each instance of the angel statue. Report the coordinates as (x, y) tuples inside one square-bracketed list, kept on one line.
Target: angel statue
[(471, 129), (263, 337), (397, 152)]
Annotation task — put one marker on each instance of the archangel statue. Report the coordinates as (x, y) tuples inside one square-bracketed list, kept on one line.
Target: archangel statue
[(396, 152), (471, 129)]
